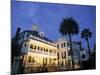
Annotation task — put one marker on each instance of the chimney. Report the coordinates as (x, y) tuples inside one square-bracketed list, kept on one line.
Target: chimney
[(35, 28)]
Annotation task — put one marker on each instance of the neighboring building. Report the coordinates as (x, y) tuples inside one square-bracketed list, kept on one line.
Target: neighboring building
[(63, 57), (64, 53), (82, 53)]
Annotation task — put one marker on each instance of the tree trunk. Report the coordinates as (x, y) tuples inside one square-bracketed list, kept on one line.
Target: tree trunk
[(70, 39), (80, 53), (88, 46)]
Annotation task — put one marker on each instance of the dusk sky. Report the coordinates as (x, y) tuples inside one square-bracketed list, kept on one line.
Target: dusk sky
[(49, 16)]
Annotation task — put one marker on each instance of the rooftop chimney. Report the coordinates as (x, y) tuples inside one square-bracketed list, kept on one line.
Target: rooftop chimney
[(35, 28)]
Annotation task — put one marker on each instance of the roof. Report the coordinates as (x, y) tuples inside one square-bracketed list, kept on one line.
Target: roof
[(36, 34)]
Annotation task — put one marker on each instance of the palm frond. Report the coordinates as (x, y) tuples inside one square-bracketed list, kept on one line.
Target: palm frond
[(69, 26)]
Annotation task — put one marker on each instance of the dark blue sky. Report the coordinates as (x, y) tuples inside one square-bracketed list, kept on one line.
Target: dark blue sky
[(49, 16)]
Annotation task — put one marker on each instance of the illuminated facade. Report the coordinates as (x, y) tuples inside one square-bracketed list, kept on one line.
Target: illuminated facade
[(42, 52), (39, 51)]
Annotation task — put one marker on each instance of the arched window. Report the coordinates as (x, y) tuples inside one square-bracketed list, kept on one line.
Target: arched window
[(29, 59), (38, 48), (50, 51), (41, 48), (34, 47), (33, 60), (46, 50)]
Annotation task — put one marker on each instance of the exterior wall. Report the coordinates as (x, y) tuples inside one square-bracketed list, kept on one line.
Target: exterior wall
[(62, 52), (76, 52), (84, 55), (42, 53), (80, 55), (63, 58)]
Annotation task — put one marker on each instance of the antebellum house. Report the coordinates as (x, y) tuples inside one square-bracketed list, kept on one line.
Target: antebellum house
[(36, 50)]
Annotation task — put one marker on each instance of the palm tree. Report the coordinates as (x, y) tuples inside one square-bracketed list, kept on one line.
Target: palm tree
[(86, 34), (69, 27)]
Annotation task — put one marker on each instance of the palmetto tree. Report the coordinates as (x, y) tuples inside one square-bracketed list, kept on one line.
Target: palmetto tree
[(86, 34), (69, 27)]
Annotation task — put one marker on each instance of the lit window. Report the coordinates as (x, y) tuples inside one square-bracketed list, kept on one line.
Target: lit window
[(29, 59), (38, 48), (34, 47), (62, 55), (65, 54), (41, 49), (58, 63), (54, 59), (50, 60), (33, 60), (62, 63), (50, 51), (65, 62), (58, 55), (46, 50), (46, 59)]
